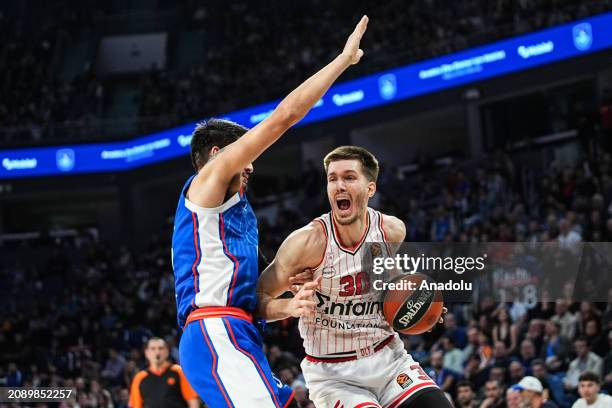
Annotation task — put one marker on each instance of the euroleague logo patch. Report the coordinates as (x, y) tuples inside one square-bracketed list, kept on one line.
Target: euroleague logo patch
[(171, 381), (403, 380)]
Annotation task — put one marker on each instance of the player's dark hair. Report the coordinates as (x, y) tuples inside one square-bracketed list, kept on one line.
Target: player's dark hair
[(211, 133), (589, 376), (465, 383), (367, 159)]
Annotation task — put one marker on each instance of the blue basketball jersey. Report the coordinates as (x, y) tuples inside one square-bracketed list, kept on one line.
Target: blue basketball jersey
[(214, 255)]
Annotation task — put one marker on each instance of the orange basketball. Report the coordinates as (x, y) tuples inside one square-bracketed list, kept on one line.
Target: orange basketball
[(411, 308)]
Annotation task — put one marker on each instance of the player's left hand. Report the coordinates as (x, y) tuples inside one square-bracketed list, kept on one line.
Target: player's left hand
[(351, 48), (303, 304), (444, 311), (301, 278), (441, 320)]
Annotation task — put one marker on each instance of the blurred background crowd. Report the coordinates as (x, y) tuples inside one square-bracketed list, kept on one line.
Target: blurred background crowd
[(52, 288), (220, 61), (77, 310)]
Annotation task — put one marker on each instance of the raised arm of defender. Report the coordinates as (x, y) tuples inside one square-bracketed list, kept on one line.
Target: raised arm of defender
[(301, 250), (292, 109)]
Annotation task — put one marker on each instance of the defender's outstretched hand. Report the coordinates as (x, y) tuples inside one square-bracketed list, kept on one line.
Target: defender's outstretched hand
[(351, 49)]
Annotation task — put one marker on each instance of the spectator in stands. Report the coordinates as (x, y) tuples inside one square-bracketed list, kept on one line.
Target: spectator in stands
[(550, 382), (516, 372), (597, 341), (301, 392), (527, 354), (472, 345), (444, 378), (556, 348), (565, 319), (504, 331), (484, 349), (113, 369), (513, 398), (585, 360), (466, 398), (452, 330), (532, 393), (498, 374), (587, 313), (494, 392), (568, 238), (500, 355), (473, 372), (453, 357), (590, 397), (14, 377)]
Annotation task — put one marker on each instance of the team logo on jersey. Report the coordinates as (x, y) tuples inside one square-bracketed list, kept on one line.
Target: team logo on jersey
[(347, 308), (171, 381), (583, 36), (403, 380), (328, 268), (64, 158)]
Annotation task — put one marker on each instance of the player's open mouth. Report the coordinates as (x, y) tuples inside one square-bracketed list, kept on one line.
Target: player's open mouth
[(343, 204)]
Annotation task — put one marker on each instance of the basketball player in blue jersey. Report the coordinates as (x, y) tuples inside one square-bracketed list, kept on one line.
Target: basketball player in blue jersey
[(215, 247)]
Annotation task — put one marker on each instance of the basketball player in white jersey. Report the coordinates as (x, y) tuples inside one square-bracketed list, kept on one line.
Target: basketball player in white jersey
[(354, 358)]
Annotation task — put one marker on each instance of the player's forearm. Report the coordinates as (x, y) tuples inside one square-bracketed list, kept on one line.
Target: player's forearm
[(272, 309), (299, 102), (290, 111)]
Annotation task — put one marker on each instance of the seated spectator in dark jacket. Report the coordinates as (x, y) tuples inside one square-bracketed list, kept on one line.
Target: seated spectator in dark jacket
[(494, 391), (473, 372), (527, 353), (552, 382), (500, 355), (466, 397), (516, 371), (452, 330), (556, 348), (444, 378), (597, 342)]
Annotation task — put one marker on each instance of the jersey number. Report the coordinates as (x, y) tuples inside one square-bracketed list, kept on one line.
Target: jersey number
[(354, 284), (422, 374)]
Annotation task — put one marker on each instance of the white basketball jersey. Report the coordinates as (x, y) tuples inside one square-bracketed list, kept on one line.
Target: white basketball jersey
[(348, 316)]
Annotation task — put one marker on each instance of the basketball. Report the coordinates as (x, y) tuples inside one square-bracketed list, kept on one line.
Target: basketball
[(409, 309)]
